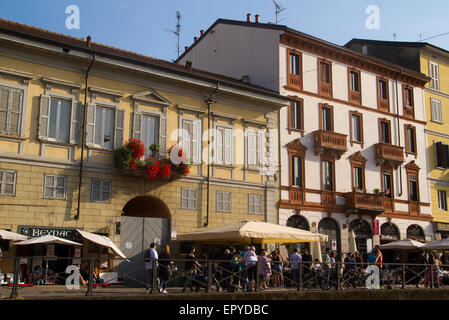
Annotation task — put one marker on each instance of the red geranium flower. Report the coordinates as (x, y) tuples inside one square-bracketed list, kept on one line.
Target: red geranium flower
[(164, 170), (151, 168)]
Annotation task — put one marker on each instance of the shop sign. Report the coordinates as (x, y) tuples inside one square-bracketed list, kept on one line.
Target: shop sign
[(376, 227), (65, 233), (334, 245), (442, 226)]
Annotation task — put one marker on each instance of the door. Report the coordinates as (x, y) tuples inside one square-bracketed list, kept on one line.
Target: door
[(136, 236)]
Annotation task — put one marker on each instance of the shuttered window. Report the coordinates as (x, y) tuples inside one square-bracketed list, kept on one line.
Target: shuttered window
[(442, 200), (10, 111), (188, 198), (7, 183), (104, 126), (254, 204), (442, 155), (223, 201), (190, 139), (149, 131), (54, 187), (101, 190), (254, 148), (434, 75), (436, 115), (224, 146)]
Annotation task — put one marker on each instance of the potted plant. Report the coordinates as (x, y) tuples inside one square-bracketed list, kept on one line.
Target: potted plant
[(155, 148), (376, 191)]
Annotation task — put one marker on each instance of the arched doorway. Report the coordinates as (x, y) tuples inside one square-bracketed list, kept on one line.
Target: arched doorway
[(329, 227), (299, 222), (415, 232), (389, 233), (362, 231), (145, 219)]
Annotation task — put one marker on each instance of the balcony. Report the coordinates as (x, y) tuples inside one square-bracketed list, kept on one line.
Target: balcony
[(382, 104), (296, 195), (409, 112), (325, 89), (335, 143), (294, 81), (390, 154), (364, 203), (355, 97)]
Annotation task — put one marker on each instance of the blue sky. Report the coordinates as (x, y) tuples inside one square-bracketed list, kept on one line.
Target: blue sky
[(140, 25)]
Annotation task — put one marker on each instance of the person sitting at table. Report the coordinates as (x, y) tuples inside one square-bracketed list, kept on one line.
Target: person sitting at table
[(36, 276)]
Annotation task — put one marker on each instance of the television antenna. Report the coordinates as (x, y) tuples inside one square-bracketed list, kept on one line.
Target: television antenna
[(177, 33), (278, 10)]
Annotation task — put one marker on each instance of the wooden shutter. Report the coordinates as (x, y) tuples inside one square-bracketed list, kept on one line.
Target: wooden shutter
[(14, 112), (228, 146), (44, 116), (163, 135), (219, 145), (137, 125), (90, 124), (119, 122), (186, 138), (251, 149), (439, 154), (4, 103), (446, 156), (195, 155), (75, 122)]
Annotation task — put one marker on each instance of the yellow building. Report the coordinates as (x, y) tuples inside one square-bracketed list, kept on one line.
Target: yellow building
[(433, 62), (54, 179)]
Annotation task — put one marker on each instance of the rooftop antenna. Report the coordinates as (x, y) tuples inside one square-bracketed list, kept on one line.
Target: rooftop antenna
[(394, 36), (177, 33), (278, 10)]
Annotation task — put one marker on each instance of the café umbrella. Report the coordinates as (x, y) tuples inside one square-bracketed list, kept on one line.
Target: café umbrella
[(251, 231), (8, 235), (406, 244), (102, 241), (47, 239), (442, 244)]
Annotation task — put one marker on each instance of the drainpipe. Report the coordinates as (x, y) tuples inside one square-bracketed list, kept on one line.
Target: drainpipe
[(83, 137), (399, 131), (210, 100)]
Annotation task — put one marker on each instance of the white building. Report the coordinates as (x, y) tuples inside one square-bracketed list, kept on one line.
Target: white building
[(355, 124)]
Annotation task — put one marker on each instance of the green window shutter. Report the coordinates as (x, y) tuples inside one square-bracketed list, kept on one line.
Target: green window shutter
[(44, 116), (90, 124), (119, 122)]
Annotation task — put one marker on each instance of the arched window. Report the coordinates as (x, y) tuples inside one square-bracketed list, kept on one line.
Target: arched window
[(389, 233), (298, 222), (329, 227), (415, 232)]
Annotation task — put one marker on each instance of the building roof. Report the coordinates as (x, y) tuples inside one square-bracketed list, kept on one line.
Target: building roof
[(69, 42), (286, 29)]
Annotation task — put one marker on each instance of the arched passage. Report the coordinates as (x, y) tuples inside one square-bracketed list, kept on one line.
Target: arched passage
[(415, 232), (362, 231), (145, 219), (389, 233), (329, 227), (299, 222)]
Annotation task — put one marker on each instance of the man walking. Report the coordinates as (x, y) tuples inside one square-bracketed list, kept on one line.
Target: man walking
[(295, 260), (150, 259)]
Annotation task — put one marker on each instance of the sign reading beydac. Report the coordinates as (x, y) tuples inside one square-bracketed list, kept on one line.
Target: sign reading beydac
[(65, 233)]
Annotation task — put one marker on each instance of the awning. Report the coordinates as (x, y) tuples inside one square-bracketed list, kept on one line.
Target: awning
[(442, 244), (8, 235), (102, 241), (250, 231), (47, 239)]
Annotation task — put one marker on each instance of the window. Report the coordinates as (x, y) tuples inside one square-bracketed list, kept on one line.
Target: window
[(7, 183), (55, 187), (407, 94), (188, 198), (10, 111), (442, 155), (223, 201), (326, 118), (190, 139), (387, 183), (297, 171), (149, 132), (410, 139), (324, 77), (382, 94), (254, 148), (328, 183), (296, 115), (356, 127), (435, 108), (101, 190), (384, 131), (59, 125), (358, 178), (104, 127), (442, 200), (254, 204), (413, 188), (354, 86), (434, 75), (224, 145), (294, 69)]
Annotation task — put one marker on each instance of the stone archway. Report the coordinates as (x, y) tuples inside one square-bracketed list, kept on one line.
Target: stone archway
[(415, 232), (299, 222), (389, 233), (363, 232), (145, 219), (329, 227)]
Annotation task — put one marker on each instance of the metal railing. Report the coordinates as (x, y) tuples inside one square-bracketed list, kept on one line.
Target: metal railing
[(223, 275)]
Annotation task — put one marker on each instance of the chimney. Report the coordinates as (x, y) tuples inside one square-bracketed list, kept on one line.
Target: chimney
[(195, 39), (185, 48), (257, 18), (88, 41), (248, 17), (201, 32)]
